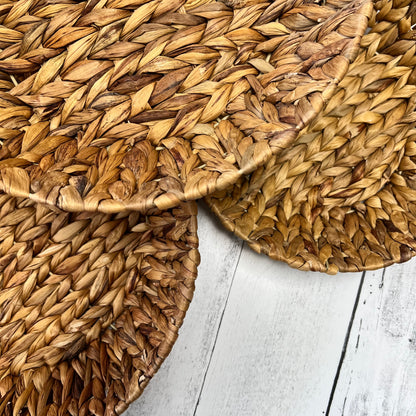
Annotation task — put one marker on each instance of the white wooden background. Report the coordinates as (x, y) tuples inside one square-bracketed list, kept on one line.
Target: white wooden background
[(262, 339)]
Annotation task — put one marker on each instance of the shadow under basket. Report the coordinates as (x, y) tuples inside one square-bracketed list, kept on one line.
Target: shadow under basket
[(90, 304)]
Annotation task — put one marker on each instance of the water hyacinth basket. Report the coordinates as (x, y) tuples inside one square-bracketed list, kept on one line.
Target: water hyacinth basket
[(342, 198), (294, 119), (130, 105), (90, 304)]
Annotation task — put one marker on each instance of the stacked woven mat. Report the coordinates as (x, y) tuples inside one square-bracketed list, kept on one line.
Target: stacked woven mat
[(294, 119)]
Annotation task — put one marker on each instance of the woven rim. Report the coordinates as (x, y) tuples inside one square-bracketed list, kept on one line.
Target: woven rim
[(343, 197), (90, 304), (112, 105)]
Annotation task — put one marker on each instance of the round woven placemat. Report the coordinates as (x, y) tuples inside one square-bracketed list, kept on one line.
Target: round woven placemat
[(90, 304), (343, 197), (113, 105)]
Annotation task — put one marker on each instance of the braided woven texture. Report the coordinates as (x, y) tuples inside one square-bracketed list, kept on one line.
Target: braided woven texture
[(343, 197), (113, 105), (90, 304)]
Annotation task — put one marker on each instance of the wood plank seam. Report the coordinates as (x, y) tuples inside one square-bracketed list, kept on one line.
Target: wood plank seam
[(218, 330), (345, 346), (377, 376)]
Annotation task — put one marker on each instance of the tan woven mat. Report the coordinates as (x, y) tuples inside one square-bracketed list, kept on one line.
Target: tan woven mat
[(90, 304), (343, 197), (112, 105)]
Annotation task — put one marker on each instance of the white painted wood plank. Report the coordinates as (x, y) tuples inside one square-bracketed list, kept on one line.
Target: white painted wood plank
[(280, 341), (378, 376), (175, 388)]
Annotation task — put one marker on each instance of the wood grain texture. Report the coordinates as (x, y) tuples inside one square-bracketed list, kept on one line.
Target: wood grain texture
[(379, 370), (262, 339), (280, 341), (177, 385)]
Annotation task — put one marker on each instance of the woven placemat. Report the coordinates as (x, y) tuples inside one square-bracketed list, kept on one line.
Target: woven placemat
[(343, 197), (112, 105), (90, 304)]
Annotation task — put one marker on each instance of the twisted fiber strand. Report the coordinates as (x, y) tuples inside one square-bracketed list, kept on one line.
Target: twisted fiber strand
[(112, 105), (65, 278), (330, 203)]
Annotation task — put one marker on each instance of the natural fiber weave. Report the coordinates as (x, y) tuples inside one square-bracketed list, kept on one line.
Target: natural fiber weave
[(111, 105), (90, 304), (343, 197)]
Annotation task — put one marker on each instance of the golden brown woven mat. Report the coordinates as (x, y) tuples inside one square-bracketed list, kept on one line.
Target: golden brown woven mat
[(90, 304), (112, 105), (343, 197)]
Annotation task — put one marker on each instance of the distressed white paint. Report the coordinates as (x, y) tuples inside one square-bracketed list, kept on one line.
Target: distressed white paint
[(175, 388), (378, 376), (280, 341), (261, 339)]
